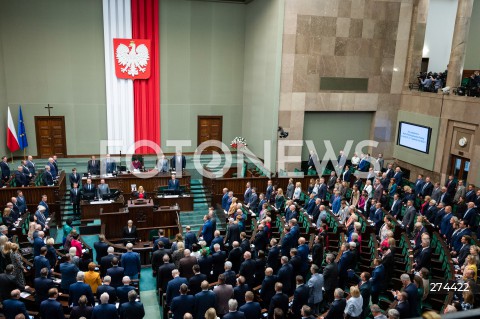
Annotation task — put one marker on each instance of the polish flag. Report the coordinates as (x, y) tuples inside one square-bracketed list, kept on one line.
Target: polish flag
[(12, 141)]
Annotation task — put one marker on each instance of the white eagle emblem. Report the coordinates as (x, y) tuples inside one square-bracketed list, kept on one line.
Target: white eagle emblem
[(134, 59)]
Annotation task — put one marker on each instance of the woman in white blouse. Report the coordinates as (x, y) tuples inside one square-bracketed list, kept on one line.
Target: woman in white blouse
[(354, 305), (355, 159), (298, 191), (368, 188)]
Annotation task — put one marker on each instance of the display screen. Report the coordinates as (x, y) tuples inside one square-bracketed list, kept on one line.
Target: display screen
[(416, 137)]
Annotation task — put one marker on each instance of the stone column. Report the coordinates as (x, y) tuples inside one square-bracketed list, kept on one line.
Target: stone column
[(459, 42)]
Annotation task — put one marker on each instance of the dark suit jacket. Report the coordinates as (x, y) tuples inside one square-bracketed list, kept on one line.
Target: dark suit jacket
[(413, 297), (122, 293), (181, 305), (268, 288), (330, 275), (336, 309), (218, 261), (279, 300), (194, 283), (105, 263), (47, 178), (404, 309), (77, 290), (129, 234), (239, 293), (377, 279), (92, 190), (233, 234), (131, 263), (131, 310), (285, 276), (116, 273), (81, 311), (300, 298), (174, 184), (69, 273), (75, 197), (52, 309), (185, 266), (251, 310), (423, 258), (111, 291), (174, 160), (93, 169), (12, 307), (203, 301), (105, 311), (235, 257), (190, 239), (42, 285), (5, 170), (247, 270), (21, 179), (101, 250), (173, 288), (216, 240), (234, 315), (74, 179)]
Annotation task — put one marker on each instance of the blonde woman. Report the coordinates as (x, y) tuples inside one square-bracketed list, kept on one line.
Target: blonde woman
[(17, 263), (7, 219), (233, 206), (354, 306), (211, 314), (6, 254), (471, 265), (280, 200), (290, 188), (355, 196), (31, 227), (178, 254), (141, 193), (298, 191)]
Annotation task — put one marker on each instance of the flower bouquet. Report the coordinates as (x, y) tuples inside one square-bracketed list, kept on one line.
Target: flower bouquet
[(238, 143)]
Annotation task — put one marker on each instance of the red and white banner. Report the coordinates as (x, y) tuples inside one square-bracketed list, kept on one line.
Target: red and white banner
[(12, 141), (132, 58)]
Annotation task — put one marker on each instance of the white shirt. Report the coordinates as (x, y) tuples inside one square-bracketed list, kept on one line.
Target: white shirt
[(355, 160), (354, 306)]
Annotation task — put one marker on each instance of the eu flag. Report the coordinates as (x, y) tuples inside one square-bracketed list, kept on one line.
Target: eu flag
[(22, 134)]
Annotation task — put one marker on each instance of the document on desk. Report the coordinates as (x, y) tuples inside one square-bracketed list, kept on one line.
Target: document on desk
[(24, 295)]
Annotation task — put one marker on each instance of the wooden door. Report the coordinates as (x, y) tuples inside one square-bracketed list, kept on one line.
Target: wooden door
[(459, 167), (209, 128), (50, 131)]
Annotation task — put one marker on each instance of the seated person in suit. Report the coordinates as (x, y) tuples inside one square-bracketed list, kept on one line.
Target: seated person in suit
[(89, 188), (102, 189), (140, 194), (130, 231), (110, 165), (174, 183), (47, 176), (93, 166)]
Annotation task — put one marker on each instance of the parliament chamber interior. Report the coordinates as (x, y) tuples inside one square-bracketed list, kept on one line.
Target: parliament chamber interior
[(239, 159)]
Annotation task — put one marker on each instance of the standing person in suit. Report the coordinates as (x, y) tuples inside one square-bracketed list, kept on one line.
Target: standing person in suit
[(116, 273), (173, 286), (225, 205), (53, 168), (330, 275), (186, 264), (41, 262), (101, 248), (82, 310), (290, 189), (423, 258), (235, 256), (409, 217), (42, 285), (377, 190), (377, 280), (178, 162), (93, 166), (285, 275), (131, 262), (269, 190), (412, 294), (247, 269), (460, 192), (347, 261), (31, 165), (223, 293), (436, 192), (173, 183), (470, 193), (337, 307), (89, 188), (312, 158), (104, 310), (268, 286), (204, 300), (419, 183), (365, 288), (316, 285), (20, 178), (8, 282), (300, 297), (162, 165), (247, 194), (396, 208), (69, 272), (13, 306), (426, 189), (51, 308), (109, 165), (253, 200), (106, 261), (251, 309), (123, 290), (48, 179), (279, 300), (78, 289), (75, 197), (5, 169), (196, 280), (102, 189), (207, 230), (190, 238), (164, 273), (74, 177), (105, 287), (331, 181), (157, 257), (451, 186), (130, 231), (398, 176), (21, 202), (183, 303)]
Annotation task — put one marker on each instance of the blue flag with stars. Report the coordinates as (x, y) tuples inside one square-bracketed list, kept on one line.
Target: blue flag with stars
[(22, 134)]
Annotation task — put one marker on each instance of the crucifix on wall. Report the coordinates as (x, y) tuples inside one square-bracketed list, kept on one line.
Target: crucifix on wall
[(49, 107)]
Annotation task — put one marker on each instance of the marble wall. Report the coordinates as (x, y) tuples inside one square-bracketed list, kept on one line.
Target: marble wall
[(344, 38)]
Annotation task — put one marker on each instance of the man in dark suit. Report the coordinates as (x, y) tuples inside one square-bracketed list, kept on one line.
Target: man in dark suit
[(268, 286), (178, 162), (75, 197), (409, 217), (69, 273), (116, 273), (470, 193), (218, 260), (253, 201), (173, 286), (377, 280), (427, 188), (157, 257), (132, 309), (423, 258), (74, 177), (322, 190), (419, 183), (331, 183), (233, 232), (12, 307), (261, 239), (51, 308), (164, 273), (251, 309), (412, 294), (20, 178), (42, 285), (190, 238), (347, 261), (470, 216), (300, 297), (131, 262), (244, 243), (204, 300), (93, 166), (207, 230), (162, 238), (398, 176), (173, 183), (337, 307), (247, 269), (40, 262), (240, 290), (82, 310), (101, 248), (186, 264), (464, 250), (53, 168), (130, 231), (31, 165), (273, 257), (109, 165), (279, 300), (217, 239), (247, 194), (183, 303), (104, 310), (451, 186), (106, 261), (89, 188), (235, 256), (230, 276), (196, 280), (396, 206), (123, 290), (233, 313), (48, 177), (111, 291), (78, 289), (330, 276), (403, 306), (5, 169), (285, 275), (21, 202), (269, 190)]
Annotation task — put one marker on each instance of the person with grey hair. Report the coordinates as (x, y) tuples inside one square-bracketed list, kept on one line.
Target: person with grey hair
[(230, 276), (377, 312), (218, 261), (104, 310), (223, 293), (412, 294), (173, 286), (78, 289), (233, 313), (183, 303), (14, 306), (393, 314), (131, 262), (105, 287), (337, 307), (122, 291), (186, 264), (132, 308)]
